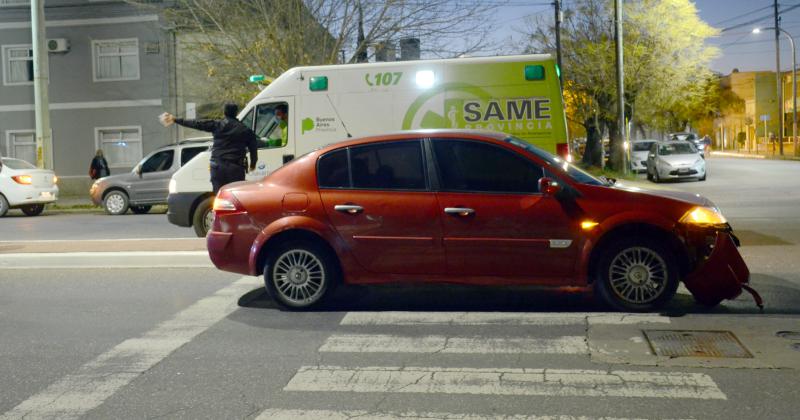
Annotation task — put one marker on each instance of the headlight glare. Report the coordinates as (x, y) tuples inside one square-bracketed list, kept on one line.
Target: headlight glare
[(703, 216)]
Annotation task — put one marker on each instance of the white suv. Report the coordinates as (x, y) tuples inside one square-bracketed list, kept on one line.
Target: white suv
[(26, 187)]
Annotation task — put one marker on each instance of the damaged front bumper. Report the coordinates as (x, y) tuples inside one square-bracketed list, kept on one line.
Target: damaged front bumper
[(721, 273)]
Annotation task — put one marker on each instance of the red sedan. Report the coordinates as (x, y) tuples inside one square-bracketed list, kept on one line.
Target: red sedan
[(468, 207)]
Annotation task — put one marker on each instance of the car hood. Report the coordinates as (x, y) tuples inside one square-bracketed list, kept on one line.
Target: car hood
[(687, 197), (679, 160), (117, 179)]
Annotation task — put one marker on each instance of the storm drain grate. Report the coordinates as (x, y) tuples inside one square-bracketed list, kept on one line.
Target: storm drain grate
[(673, 343)]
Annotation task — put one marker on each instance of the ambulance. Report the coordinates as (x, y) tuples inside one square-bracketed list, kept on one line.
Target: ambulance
[(518, 95)]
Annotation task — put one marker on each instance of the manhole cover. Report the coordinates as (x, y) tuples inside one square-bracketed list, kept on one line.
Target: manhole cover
[(789, 335), (672, 343)]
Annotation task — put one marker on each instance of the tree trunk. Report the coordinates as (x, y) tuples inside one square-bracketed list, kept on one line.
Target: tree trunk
[(592, 154)]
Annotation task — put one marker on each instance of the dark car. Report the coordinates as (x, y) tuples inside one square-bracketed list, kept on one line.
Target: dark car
[(469, 207)]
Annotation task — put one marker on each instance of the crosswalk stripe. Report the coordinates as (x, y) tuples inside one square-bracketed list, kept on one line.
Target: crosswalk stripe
[(382, 343), (498, 318), (74, 395), (511, 381), (277, 414)]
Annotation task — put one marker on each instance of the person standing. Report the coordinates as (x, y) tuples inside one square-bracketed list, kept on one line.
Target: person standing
[(99, 166), (232, 140)]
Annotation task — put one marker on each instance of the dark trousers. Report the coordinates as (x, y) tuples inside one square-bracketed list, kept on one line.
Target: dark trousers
[(223, 172)]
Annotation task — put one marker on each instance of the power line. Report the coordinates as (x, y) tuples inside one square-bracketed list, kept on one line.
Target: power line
[(740, 16), (759, 19)]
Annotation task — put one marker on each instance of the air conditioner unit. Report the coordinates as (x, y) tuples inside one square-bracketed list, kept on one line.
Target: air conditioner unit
[(57, 45)]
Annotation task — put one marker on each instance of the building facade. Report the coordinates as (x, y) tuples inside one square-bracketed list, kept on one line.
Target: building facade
[(112, 73)]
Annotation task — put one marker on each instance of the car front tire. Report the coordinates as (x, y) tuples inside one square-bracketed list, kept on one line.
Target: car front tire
[(33, 209), (115, 203), (299, 275), (636, 275)]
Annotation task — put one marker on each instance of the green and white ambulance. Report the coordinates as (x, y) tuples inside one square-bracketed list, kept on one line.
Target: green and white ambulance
[(519, 95)]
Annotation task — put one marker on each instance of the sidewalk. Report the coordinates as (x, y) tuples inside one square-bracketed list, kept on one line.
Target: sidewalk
[(753, 155)]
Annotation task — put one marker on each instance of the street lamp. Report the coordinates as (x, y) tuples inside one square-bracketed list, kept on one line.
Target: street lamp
[(794, 85)]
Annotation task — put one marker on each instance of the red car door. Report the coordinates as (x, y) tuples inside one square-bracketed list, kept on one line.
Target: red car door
[(379, 201), (495, 222)]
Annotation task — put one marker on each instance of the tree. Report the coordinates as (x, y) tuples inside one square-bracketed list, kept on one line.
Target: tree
[(666, 59), (231, 40)]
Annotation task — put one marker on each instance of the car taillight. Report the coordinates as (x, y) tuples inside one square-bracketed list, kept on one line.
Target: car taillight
[(23, 179), (226, 203)]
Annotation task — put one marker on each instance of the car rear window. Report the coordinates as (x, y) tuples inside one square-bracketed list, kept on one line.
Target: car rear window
[(17, 164)]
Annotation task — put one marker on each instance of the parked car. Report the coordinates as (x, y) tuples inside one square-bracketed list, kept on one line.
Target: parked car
[(470, 207), (26, 187), (148, 183), (675, 160), (639, 151), (693, 138)]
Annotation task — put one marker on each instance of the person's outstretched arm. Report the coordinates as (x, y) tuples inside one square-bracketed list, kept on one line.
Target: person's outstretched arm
[(203, 125)]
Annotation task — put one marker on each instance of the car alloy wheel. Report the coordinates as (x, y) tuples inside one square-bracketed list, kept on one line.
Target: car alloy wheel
[(638, 275), (116, 203), (299, 274), (299, 277)]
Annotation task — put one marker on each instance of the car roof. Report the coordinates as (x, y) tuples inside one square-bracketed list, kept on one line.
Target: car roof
[(418, 134)]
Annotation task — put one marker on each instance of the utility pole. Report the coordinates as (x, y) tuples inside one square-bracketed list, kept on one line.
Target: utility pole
[(779, 77), (620, 85), (559, 17), (41, 78)]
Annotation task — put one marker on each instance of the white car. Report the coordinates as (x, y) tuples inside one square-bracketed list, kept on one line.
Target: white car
[(675, 160), (639, 151), (26, 187)]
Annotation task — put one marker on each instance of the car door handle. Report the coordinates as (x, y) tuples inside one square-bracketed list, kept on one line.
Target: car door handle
[(459, 211), (348, 208)]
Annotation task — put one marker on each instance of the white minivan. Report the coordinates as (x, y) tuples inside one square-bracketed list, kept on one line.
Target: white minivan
[(518, 95)]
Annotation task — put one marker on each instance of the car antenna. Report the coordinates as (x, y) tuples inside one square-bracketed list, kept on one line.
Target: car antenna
[(338, 116)]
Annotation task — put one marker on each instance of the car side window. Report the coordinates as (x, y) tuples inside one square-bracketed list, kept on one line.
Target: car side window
[(472, 166), (160, 161), (395, 165), (333, 170), (187, 153)]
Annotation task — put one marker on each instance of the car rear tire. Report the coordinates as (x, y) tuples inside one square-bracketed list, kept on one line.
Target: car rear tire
[(33, 209), (299, 275), (115, 203), (141, 209), (3, 205), (636, 275), (203, 217)]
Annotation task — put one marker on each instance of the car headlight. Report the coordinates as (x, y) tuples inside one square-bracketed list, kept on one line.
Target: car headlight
[(703, 216), (173, 186)]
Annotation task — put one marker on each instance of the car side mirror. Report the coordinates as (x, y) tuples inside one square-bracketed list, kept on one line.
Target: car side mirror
[(548, 186), (138, 170)]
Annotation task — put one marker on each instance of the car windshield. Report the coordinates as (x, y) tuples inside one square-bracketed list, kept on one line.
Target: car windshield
[(17, 164), (642, 146), (676, 149), (573, 171)]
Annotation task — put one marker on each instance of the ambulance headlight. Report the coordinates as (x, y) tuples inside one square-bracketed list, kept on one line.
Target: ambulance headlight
[(425, 78)]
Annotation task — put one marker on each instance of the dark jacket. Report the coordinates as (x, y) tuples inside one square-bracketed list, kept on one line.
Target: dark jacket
[(98, 168), (232, 139)]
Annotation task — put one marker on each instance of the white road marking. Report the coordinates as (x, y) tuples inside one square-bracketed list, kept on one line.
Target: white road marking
[(121, 259), (74, 395), (276, 414), (381, 343), (498, 381), (499, 318)]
